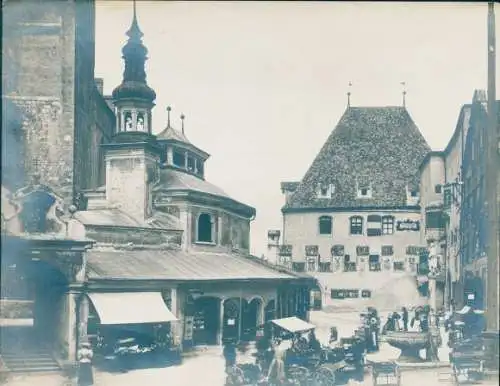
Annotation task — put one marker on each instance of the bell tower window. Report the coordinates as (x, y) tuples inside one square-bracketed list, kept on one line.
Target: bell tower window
[(179, 159), (128, 122), (141, 124)]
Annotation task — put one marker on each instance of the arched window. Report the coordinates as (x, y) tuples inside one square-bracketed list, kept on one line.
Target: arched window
[(387, 225), (325, 225), (356, 225), (205, 225)]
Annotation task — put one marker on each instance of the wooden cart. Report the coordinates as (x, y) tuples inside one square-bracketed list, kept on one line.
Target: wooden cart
[(386, 373)]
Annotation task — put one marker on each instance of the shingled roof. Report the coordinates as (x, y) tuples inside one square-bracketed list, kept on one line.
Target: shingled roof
[(381, 146)]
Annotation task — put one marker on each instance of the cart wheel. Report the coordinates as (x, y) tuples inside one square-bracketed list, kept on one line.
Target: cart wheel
[(324, 377)]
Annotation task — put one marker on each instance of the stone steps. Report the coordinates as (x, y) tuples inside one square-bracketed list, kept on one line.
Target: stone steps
[(30, 361)]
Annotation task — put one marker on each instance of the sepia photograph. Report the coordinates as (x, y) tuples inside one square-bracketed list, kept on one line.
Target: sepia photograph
[(249, 193)]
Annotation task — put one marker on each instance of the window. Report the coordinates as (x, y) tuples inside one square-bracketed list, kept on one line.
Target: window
[(337, 294), (190, 162), (414, 193), (128, 121), (399, 266), (324, 190), (362, 250), (325, 225), (179, 159), (438, 189), (366, 294), (364, 192), (387, 250), (434, 220), (205, 225), (387, 225), (356, 225), (373, 225), (199, 165), (374, 263), (311, 265), (337, 250)]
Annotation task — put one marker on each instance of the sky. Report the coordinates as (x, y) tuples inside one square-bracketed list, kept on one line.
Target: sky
[(263, 84)]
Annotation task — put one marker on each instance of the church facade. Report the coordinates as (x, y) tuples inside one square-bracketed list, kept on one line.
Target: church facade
[(143, 238)]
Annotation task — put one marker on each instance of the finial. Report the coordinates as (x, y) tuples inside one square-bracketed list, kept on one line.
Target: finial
[(182, 122), (349, 95), (168, 115), (404, 93), (134, 31)]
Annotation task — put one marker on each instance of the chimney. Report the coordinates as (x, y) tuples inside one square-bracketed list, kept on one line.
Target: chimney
[(99, 83)]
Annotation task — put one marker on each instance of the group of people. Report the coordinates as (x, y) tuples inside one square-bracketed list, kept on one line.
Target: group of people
[(400, 321)]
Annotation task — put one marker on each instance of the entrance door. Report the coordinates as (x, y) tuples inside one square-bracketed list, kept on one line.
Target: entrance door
[(206, 320), (231, 319)]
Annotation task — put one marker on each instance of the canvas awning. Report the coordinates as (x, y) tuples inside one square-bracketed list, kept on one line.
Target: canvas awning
[(131, 308), (464, 310), (293, 324)]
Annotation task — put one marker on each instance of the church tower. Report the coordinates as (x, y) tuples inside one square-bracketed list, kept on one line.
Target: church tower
[(133, 98), (132, 157)]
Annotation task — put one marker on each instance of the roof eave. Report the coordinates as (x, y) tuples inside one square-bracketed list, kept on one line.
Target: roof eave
[(410, 208), (428, 156), (190, 146), (238, 207)]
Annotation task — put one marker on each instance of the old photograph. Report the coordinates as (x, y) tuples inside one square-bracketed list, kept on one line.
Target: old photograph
[(249, 193)]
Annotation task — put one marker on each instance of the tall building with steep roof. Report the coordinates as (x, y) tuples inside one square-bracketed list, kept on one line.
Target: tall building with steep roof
[(356, 210)]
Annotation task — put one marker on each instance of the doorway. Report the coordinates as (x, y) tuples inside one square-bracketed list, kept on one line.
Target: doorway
[(206, 320)]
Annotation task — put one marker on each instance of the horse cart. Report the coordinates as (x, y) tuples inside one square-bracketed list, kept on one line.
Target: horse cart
[(386, 373)]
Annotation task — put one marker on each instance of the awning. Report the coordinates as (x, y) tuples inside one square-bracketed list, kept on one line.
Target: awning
[(293, 324), (131, 308)]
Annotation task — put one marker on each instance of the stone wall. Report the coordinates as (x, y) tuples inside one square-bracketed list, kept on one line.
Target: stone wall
[(48, 62)]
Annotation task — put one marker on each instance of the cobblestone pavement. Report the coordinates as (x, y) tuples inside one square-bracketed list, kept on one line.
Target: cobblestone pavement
[(206, 368)]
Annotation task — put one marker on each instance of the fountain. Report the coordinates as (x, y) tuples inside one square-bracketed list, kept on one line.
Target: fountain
[(400, 293), (410, 343)]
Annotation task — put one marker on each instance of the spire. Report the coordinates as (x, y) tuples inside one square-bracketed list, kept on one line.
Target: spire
[(134, 32), (404, 93), (182, 122), (134, 54), (349, 95)]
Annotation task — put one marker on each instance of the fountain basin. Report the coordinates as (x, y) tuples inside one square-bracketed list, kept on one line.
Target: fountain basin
[(410, 343)]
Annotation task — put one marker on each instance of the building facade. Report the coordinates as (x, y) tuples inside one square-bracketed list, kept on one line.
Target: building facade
[(357, 209), (142, 229)]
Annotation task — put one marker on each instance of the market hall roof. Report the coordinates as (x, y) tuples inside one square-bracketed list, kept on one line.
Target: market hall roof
[(178, 265), (379, 146)]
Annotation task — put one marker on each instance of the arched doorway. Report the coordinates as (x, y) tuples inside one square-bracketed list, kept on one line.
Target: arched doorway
[(252, 316), (206, 322)]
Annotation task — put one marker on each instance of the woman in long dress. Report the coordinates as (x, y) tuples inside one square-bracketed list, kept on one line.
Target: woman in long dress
[(85, 374)]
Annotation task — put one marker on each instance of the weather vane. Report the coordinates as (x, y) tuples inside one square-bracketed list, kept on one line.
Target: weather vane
[(349, 95), (404, 93), (182, 122)]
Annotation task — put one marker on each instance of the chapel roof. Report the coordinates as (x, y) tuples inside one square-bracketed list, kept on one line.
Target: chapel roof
[(380, 146), (169, 133)]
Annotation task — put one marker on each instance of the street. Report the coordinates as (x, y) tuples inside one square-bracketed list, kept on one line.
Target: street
[(206, 366)]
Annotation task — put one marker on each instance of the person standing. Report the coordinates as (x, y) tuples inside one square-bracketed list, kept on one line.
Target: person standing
[(229, 352), (85, 373), (276, 374), (405, 318)]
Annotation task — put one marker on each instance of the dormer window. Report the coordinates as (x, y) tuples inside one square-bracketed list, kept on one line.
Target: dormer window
[(199, 166), (365, 192), (325, 190), (414, 193), (205, 226)]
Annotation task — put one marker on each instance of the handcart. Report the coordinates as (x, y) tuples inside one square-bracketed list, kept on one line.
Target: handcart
[(386, 373)]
